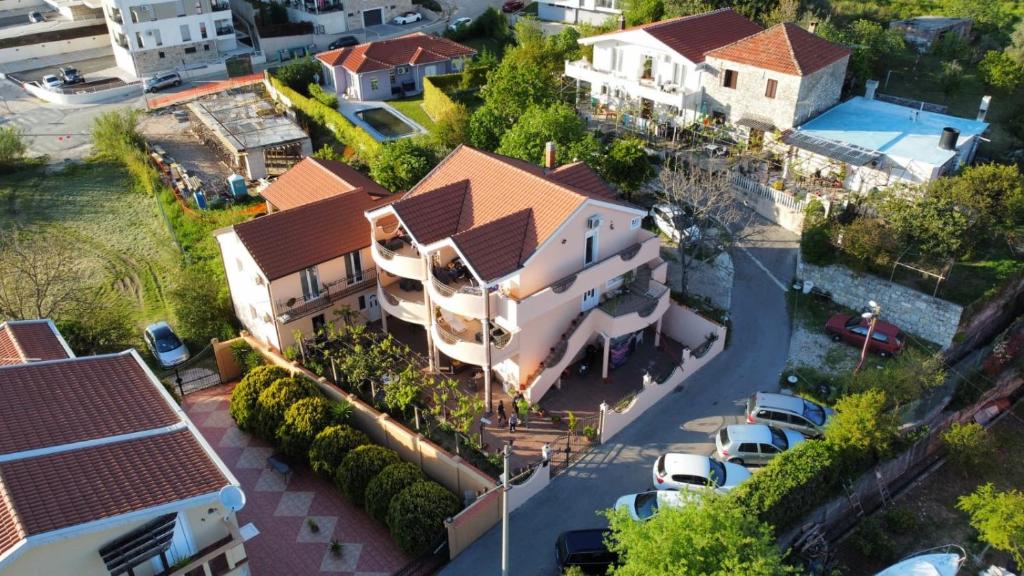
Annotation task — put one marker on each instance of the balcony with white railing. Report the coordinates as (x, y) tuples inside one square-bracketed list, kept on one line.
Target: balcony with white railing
[(664, 92), (398, 256), (404, 300), (462, 339), (291, 309), (453, 288)]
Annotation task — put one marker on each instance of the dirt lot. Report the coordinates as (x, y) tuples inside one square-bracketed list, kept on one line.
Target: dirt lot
[(175, 137)]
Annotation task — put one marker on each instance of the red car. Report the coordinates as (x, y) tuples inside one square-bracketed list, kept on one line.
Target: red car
[(512, 6), (886, 340)]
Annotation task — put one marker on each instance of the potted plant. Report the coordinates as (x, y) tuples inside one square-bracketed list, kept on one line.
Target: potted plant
[(313, 526), (590, 433), (556, 419), (335, 548)]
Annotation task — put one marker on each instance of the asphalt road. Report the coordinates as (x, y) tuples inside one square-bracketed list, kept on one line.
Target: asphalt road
[(683, 422)]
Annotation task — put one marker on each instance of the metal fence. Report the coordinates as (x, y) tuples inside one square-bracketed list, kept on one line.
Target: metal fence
[(198, 373), (568, 448)]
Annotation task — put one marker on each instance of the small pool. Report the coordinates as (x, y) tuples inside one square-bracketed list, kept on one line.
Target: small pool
[(385, 122)]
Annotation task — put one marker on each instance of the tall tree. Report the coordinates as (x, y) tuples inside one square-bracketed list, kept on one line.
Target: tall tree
[(1000, 71), (43, 276), (556, 123), (626, 165), (639, 12), (998, 517), (401, 164)]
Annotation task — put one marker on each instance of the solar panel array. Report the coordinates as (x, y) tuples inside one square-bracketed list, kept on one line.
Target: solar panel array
[(849, 153)]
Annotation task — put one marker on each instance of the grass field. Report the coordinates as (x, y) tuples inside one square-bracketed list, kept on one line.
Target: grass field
[(413, 108), (124, 244)]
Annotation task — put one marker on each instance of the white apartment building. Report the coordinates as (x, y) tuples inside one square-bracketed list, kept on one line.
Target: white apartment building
[(594, 12), (151, 36)]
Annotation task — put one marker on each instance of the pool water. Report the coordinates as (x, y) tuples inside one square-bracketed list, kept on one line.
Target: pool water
[(384, 122)]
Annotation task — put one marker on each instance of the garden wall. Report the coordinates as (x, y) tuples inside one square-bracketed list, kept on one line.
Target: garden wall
[(777, 206), (931, 318)]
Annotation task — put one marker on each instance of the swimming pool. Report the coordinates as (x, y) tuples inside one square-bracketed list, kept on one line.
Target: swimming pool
[(385, 123)]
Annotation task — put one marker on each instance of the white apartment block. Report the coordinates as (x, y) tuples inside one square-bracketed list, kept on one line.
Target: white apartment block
[(594, 12)]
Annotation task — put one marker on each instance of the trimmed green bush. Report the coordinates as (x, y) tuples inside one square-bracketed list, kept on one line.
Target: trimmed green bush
[(247, 393), (245, 356), (436, 101), (276, 400), (331, 445), (816, 246), (359, 467), (388, 484), (325, 98), (416, 516), (302, 422)]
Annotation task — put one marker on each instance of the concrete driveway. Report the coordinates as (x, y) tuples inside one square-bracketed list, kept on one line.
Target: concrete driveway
[(682, 422)]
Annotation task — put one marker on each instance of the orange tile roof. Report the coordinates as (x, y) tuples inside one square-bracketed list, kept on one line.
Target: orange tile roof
[(693, 36), (24, 341), (497, 210), (285, 242), (785, 48), (314, 179), (416, 48)]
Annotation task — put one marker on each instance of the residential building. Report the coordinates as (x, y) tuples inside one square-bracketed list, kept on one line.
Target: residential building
[(775, 79), (101, 472), (872, 144), (391, 68), (518, 270), (150, 36), (656, 72), (337, 17), (309, 264), (595, 12), (923, 31)]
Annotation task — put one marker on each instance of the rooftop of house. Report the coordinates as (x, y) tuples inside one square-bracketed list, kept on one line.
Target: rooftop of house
[(497, 210), (785, 48), (23, 341), (408, 50), (694, 36), (245, 120), (84, 440), (896, 131), (285, 242), (929, 22), (314, 179)]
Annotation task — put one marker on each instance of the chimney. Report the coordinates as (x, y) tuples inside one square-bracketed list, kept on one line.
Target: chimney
[(813, 27), (983, 109), (622, 22), (948, 138), (550, 157), (869, 89)]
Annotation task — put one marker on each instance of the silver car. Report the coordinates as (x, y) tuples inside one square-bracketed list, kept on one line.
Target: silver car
[(165, 345), (786, 411), (753, 443), (161, 81)]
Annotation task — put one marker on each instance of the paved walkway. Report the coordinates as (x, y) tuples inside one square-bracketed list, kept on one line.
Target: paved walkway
[(280, 509)]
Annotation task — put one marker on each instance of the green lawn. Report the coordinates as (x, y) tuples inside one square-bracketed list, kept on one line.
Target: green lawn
[(413, 108)]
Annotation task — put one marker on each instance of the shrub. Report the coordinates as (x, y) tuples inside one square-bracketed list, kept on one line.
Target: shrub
[(872, 542), (302, 422), (901, 521), (399, 165), (247, 358), (863, 423), (325, 98), (276, 400), (298, 74), (870, 241), (359, 467), (970, 447), (330, 446), (416, 516), (247, 393), (816, 246), (12, 146), (388, 484), (202, 307)]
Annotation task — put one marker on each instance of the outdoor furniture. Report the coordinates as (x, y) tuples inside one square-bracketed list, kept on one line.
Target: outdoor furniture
[(395, 243), (279, 465), (410, 285)]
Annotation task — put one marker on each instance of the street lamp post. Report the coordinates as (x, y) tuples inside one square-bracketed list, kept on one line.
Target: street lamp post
[(504, 513), (872, 317)]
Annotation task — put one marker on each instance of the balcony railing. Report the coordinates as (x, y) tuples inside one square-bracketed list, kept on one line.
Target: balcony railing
[(296, 308), (449, 290), (224, 31), (220, 6)]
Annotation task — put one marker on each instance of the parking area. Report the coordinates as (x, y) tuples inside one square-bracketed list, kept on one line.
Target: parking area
[(388, 30), (89, 68)]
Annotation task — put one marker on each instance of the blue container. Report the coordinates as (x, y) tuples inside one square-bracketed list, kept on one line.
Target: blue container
[(237, 186), (201, 200)]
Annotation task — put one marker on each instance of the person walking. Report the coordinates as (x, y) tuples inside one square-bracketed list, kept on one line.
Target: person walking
[(502, 418), (513, 421)]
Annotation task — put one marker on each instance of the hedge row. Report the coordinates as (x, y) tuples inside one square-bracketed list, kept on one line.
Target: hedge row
[(436, 102), (314, 111)]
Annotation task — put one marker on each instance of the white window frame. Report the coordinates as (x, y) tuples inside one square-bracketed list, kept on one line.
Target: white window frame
[(310, 278), (592, 233)]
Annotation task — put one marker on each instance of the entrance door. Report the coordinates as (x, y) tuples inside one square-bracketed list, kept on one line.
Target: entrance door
[(590, 299), (372, 308), (373, 17)]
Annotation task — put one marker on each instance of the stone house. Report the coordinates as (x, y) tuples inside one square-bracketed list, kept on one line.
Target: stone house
[(391, 68), (775, 79)]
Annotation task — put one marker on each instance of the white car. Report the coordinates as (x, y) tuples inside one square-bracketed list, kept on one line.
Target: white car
[(645, 505), (51, 82), (407, 18), (693, 472), (665, 218), (459, 23)]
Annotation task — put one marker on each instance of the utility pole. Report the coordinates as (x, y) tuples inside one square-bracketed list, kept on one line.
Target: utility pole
[(504, 513), (872, 318)]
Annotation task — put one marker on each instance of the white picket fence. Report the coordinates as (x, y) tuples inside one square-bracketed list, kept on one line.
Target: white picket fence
[(767, 192)]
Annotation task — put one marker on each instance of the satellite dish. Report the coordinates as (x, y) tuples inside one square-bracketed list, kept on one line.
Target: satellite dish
[(872, 303), (232, 497)]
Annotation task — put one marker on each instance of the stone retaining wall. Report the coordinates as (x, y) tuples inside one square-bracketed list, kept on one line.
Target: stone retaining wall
[(930, 318)]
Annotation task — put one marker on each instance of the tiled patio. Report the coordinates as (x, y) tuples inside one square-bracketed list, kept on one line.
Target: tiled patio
[(280, 508)]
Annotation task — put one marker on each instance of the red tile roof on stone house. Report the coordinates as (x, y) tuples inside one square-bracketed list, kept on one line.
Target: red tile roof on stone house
[(785, 48), (497, 211), (87, 440), (694, 36), (314, 179), (286, 242), (24, 341), (412, 49)]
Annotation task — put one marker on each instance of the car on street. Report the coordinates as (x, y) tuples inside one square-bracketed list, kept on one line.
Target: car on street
[(165, 345), (161, 81), (694, 472), (753, 443), (70, 75), (788, 411), (407, 18), (51, 82), (645, 505), (585, 549), (886, 340), (343, 42), (512, 6), (459, 23), (35, 17), (665, 217)]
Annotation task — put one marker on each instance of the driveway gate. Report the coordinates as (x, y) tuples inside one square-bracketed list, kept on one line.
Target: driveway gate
[(198, 373)]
